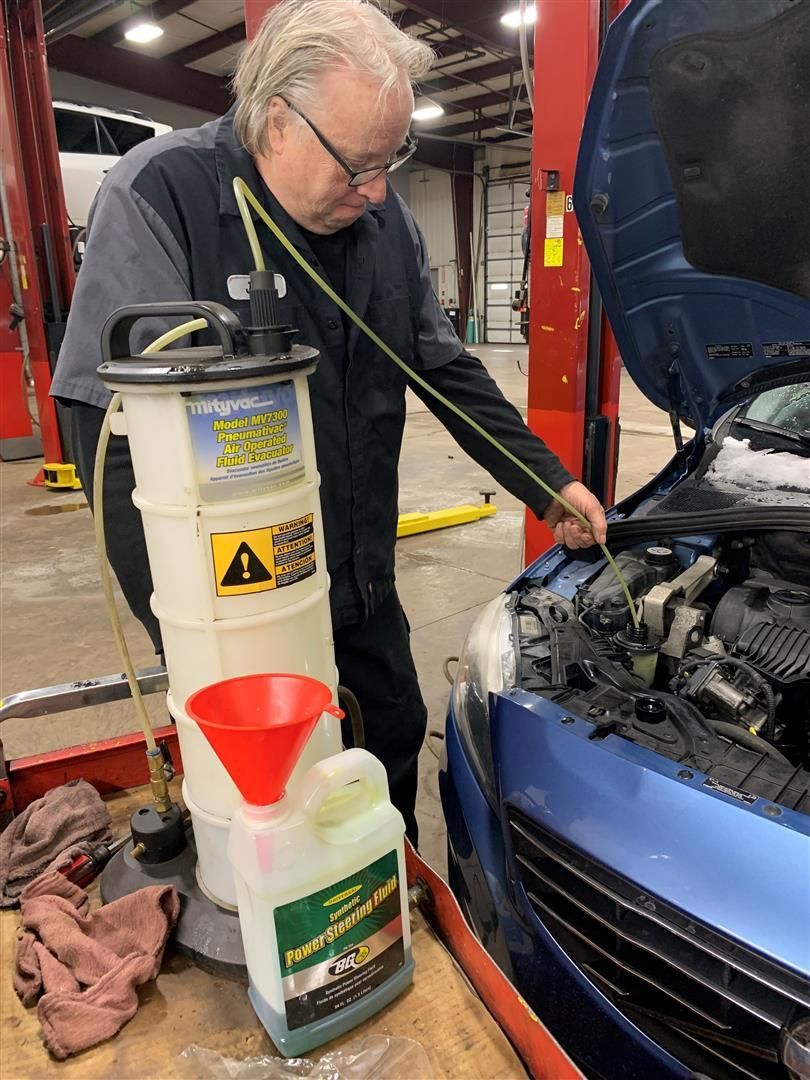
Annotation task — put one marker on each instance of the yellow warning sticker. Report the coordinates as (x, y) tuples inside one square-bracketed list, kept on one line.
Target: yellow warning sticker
[(257, 560), (553, 252), (555, 203)]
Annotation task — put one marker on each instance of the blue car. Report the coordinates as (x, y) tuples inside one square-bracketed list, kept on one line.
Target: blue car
[(628, 808)]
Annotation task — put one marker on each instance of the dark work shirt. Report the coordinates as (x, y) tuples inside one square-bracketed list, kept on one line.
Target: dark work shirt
[(331, 253), (165, 226)]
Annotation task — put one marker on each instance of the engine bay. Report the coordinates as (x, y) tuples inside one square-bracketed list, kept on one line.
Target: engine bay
[(718, 675)]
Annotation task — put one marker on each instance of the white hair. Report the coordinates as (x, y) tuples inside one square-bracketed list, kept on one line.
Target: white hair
[(301, 39)]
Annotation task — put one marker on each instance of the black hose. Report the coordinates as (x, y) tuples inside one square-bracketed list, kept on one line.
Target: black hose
[(744, 737), (351, 706)]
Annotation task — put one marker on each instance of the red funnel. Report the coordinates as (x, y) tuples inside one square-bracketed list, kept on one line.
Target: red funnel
[(258, 726)]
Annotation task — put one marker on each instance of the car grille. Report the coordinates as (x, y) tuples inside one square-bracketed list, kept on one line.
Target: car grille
[(715, 1006)]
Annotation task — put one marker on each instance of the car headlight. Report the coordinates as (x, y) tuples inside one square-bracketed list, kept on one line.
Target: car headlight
[(796, 1050), (487, 664)]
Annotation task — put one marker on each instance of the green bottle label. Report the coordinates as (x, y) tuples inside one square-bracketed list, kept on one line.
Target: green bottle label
[(338, 944)]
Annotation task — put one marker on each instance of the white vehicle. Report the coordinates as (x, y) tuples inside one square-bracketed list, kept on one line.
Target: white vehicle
[(91, 139)]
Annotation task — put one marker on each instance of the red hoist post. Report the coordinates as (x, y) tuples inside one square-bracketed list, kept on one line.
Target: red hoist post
[(34, 213), (574, 365), (255, 11)]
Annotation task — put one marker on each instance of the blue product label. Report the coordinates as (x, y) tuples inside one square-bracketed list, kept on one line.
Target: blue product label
[(250, 435)]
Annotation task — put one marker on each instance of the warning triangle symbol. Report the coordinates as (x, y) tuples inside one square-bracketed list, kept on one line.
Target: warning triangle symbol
[(246, 569)]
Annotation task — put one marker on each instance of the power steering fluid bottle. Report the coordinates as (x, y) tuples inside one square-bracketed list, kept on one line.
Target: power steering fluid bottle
[(320, 873)]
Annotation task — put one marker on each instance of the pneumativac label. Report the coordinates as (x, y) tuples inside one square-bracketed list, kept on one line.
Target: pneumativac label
[(247, 435)]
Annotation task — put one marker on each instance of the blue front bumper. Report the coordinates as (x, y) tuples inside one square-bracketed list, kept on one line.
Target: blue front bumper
[(732, 867)]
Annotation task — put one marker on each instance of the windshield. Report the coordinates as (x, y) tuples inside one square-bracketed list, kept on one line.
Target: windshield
[(786, 407)]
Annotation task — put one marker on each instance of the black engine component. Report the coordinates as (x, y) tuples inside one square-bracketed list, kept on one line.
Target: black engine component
[(767, 623), (783, 554), (603, 603), (582, 672)]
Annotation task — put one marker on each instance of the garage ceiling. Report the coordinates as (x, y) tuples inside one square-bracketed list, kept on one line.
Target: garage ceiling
[(477, 76)]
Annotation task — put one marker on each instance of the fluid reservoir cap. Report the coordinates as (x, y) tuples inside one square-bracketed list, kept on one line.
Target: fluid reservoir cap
[(637, 639), (659, 556), (651, 710)]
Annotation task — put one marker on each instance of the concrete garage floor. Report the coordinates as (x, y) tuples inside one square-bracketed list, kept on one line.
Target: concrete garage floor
[(54, 628)]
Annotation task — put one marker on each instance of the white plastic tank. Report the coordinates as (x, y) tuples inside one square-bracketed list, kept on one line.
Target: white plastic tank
[(223, 452)]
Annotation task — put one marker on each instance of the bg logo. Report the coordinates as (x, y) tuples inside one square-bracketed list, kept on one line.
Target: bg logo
[(350, 961)]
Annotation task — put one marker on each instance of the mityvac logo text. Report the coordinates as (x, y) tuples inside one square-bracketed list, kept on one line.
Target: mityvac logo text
[(226, 406), (350, 961)]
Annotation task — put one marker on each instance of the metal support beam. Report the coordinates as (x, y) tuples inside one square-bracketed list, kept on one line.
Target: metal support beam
[(489, 120), (408, 17), (472, 77), (59, 23), (135, 71), (478, 19), (233, 35)]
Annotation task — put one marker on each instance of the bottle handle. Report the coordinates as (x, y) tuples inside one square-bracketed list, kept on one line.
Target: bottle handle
[(328, 776)]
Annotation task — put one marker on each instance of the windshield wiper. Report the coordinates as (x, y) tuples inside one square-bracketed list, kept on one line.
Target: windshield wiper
[(770, 429)]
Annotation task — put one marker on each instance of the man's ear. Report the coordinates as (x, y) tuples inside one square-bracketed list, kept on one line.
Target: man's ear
[(278, 125)]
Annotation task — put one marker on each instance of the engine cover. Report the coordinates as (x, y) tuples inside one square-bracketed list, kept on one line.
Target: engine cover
[(767, 623)]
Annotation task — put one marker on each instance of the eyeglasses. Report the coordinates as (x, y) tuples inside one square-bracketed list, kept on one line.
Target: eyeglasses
[(363, 176)]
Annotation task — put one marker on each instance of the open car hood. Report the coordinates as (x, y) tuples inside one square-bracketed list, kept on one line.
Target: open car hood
[(693, 196)]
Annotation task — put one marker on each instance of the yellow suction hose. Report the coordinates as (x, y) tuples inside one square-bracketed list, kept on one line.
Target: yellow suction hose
[(101, 542)]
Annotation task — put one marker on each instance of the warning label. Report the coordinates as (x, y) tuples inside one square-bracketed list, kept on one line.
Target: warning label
[(257, 560), (786, 348), (730, 350), (553, 252), (246, 435), (555, 210), (555, 203)]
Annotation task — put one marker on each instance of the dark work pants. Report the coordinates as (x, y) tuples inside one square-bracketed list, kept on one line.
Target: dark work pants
[(374, 661), (373, 658)]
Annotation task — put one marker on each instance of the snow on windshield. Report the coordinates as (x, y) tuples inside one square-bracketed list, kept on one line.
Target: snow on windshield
[(756, 474)]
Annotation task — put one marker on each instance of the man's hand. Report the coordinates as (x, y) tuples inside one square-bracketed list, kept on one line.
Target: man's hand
[(569, 530)]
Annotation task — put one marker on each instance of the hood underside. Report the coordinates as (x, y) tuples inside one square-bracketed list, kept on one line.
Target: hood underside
[(692, 196)]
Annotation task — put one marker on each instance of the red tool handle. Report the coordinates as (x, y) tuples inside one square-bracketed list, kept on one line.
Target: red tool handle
[(81, 871)]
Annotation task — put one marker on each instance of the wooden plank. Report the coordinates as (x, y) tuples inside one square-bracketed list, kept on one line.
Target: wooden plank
[(185, 1005)]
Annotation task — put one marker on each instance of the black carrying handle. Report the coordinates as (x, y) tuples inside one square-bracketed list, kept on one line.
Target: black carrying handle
[(115, 335)]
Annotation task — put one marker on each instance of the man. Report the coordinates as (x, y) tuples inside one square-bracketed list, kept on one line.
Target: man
[(324, 103)]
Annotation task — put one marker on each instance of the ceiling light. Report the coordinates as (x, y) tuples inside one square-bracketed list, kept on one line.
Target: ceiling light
[(426, 108), (512, 18), (143, 33)]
